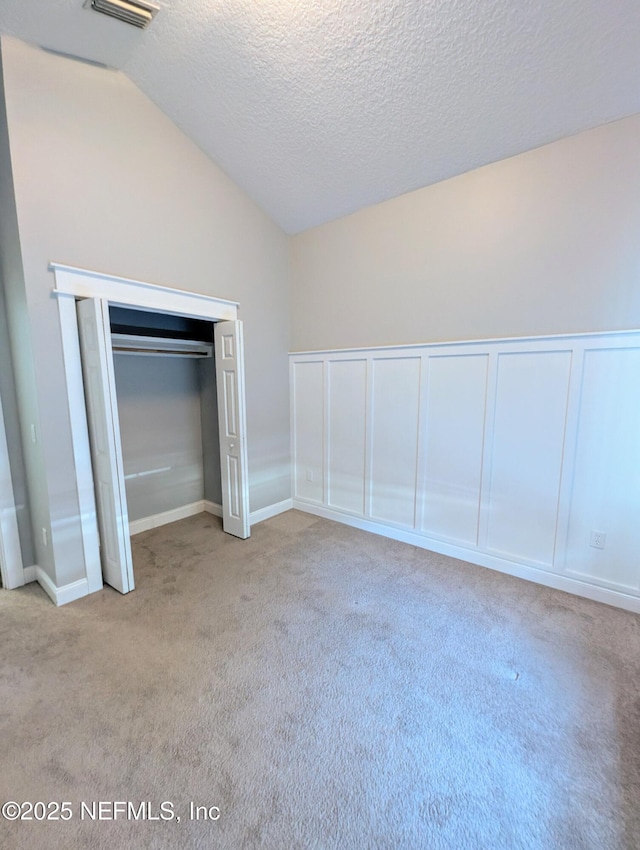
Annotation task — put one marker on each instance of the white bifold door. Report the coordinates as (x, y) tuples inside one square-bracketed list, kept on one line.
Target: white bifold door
[(104, 437), (229, 351)]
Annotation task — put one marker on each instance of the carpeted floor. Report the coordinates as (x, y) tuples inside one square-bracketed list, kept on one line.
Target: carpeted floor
[(324, 688)]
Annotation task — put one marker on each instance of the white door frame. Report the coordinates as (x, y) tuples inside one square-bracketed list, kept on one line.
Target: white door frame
[(72, 283), (11, 566)]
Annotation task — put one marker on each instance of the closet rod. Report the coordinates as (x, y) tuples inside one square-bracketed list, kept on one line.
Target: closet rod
[(130, 344), (122, 350)]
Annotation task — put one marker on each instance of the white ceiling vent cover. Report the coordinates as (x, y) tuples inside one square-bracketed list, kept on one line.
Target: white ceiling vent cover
[(138, 13)]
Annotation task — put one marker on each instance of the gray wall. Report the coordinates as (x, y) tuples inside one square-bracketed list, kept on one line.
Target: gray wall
[(103, 180), (160, 429), (12, 429), (546, 242), (16, 359)]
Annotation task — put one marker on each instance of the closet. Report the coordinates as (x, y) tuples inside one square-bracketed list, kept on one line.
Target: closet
[(166, 397), (167, 407)]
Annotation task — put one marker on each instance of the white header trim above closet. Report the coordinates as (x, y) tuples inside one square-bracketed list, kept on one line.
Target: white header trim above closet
[(122, 291)]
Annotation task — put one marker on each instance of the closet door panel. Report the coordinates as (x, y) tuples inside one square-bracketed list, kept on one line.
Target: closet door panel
[(232, 423), (106, 448)]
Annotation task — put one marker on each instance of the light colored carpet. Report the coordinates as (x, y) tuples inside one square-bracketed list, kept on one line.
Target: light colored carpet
[(325, 688)]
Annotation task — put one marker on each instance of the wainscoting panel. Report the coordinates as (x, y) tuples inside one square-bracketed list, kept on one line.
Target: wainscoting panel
[(308, 430), (606, 486), (528, 441), (512, 454), (347, 390), (455, 416), (395, 400)]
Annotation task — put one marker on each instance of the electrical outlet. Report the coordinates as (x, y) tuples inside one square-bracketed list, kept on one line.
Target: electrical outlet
[(45, 537), (598, 539), (310, 474)]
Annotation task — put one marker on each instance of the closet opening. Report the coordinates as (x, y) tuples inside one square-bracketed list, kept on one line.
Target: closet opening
[(187, 346), (165, 377)]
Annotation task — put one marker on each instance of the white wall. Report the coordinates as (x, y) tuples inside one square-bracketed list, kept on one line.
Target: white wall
[(546, 242), (506, 454), (103, 180)]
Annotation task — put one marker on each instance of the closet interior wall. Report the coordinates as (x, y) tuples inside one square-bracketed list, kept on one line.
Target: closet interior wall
[(168, 418)]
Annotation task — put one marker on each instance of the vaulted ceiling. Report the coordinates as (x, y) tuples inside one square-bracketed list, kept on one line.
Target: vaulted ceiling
[(318, 108)]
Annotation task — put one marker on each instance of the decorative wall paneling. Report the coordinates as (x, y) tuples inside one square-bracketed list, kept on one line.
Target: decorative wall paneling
[(511, 454)]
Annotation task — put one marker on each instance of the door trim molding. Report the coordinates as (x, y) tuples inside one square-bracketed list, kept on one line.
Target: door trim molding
[(123, 291), (73, 283)]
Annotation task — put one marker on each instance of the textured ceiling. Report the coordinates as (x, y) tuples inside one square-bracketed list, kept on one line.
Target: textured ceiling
[(318, 108)]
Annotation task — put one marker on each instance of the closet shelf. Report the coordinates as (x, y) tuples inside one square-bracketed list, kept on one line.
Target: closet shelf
[(155, 345)]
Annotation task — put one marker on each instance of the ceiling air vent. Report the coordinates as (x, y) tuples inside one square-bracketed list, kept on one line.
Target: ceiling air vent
[(138, 13)]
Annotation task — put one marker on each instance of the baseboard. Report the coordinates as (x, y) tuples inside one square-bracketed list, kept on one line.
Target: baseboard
[(616, 598), (144, 524), (66, 593), (270, 510), (30, 574), (255, 516), (78, 589), (212, 508), (139, 525)]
